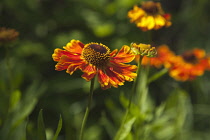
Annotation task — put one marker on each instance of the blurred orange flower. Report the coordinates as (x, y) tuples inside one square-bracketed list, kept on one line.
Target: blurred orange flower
[(95, 59), (164, 57), (183, 67), (8, 35), (189, 65), (149, 16)]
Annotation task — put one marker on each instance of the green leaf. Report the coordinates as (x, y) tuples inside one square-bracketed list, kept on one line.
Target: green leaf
[(58, 129), (123, 100), (173, 118), (125, 128), (41, 128), (160, 110), (14, 99), (21, 109)]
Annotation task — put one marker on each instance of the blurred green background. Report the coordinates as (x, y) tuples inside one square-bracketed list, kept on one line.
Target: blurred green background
[(48, 24)]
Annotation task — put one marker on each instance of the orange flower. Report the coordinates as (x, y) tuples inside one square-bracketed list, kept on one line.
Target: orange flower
[(149, 16), (164, 57), (95, 59), (189, 65), (8, 35), (183, 67)]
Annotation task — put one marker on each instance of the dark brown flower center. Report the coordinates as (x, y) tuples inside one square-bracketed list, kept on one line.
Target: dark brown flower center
[(96, 54), (190, 57), (151, 7)]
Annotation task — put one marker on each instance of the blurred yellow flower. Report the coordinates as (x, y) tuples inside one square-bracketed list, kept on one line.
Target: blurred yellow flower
[(96, 59), (149, 16)]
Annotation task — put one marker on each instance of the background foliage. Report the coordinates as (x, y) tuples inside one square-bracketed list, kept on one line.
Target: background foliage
[(181, 110)]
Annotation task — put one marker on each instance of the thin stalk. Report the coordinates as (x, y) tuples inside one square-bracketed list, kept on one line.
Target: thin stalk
[(136, 81), (143, 88), (87, 109), (9, 70), (150, 36), (130, 100), (157, 75)]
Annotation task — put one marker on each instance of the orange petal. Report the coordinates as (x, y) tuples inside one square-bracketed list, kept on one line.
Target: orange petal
[(74, 46), (88, 77), (65, 61), (164, 57), (125, 55), (199, 53), (115, 78), (205, 63), (186, 71), (106, 87), (89, 69), (113, 53), (71, 58), (103, 79), (61, 66), (126, 70), (73, 67), (58, 53)]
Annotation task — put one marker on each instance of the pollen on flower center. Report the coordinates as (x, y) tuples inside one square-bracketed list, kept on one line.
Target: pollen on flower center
[(150, 7), (96, 54)]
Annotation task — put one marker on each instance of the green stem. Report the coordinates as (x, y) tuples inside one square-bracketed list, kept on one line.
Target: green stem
[(9, 69), (87, 109), (149, 36), (136, 81), (157, 75), (133, 90), (142, 90)]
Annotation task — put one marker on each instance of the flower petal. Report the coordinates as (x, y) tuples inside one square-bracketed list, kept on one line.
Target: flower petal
[(159, 21), (103, 79), (73, 67), (149, 16), (183, 71), (125, 55), (89, 72), (113, 53), (164, 57), (89, 69), (115, 79), (88, 77), (74, 46), (58, 53), (147, 22), (126, 70), (199, 53), (136, 14), (65, 61)]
